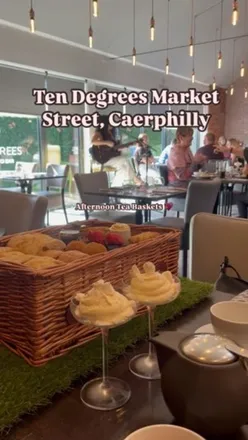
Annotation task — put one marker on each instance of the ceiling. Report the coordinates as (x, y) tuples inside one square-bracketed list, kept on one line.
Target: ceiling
[(113, 31)]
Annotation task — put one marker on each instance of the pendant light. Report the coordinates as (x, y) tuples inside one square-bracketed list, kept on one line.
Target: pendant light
[(191, 40), (235, 13), (46, 88), (90, 32), (32, 17), (167, 64), (219, 62), (233, 61), (134, 48), (193, 76), (152, 24), (95, 8), (214, 84), (242, 69), (246, 93)]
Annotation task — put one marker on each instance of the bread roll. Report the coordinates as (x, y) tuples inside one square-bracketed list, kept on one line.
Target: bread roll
[(70, 256), (30, 244), (94, 248), (39, 263)]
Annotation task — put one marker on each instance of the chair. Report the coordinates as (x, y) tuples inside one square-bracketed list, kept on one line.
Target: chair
[(21, 212), (55, 191), (201, 197), (211, 238), (94, 182)]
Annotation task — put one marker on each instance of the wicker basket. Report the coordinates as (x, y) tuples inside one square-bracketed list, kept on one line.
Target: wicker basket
[(33, 307)]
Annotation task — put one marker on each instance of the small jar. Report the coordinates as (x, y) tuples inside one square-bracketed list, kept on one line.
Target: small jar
[(68, 235)]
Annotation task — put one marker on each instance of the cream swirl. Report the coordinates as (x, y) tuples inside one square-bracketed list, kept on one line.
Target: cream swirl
[(119, 227), (103, 306), (151, 287)]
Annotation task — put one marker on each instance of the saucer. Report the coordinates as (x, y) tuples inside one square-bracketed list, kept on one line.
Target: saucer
[(208, 328)]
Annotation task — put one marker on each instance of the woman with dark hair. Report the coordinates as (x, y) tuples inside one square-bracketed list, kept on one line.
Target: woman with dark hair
[(106, 152)]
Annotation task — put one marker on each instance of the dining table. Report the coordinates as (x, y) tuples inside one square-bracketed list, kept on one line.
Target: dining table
[(143, 198), (25, 180)]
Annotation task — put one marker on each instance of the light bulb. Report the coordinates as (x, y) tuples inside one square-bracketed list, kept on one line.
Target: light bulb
[(235, 13), (246, 93), (32, 20), (95, 8), (90, 37), (152, 29), (191, 47), (193, 76), (242, 69), (214, 84), (167, 66), (134, 56), (219, 60), (231, 90)]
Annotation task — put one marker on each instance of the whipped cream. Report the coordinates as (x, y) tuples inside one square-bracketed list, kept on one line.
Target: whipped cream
[(152, 287), (104, 306)]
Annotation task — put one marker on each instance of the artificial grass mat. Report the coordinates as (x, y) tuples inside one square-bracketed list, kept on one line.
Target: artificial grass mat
[(23, 388)]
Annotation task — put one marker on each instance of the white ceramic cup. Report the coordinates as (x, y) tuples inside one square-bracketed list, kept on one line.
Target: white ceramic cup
[(163, 432), (230, 320)]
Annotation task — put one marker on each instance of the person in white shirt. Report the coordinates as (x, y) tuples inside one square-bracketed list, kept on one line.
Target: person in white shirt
[(165, 154)]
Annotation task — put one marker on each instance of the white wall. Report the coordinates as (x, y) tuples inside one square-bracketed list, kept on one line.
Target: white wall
[(32, 50)]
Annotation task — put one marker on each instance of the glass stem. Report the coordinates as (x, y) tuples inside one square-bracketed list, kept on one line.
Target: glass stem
[(151, 311), (104, 355)]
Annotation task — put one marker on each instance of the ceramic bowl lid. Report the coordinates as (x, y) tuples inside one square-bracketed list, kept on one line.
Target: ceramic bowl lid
[(208, 349)]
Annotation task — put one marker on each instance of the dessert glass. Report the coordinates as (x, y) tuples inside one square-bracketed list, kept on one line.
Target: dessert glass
[(146, 365), (104, 393)]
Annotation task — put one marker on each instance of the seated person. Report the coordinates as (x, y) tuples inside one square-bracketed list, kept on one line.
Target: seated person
[(145, 162), (181, 162), (163, 158), (236, 152), (209, 149)]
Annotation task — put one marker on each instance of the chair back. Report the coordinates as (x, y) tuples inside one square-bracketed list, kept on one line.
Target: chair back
[(212, 237), (27, 167), (57, 170), (201, 197), (22, 212), (92, 182)]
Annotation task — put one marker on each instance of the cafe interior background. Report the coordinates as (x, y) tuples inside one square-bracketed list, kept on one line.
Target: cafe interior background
[(131, 45)]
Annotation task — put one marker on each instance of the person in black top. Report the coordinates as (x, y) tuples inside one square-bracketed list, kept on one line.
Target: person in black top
[(145, 162), (105, 151), (209, 149)]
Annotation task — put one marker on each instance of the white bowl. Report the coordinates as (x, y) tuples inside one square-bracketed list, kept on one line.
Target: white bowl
[(230, 320), (163, 432)]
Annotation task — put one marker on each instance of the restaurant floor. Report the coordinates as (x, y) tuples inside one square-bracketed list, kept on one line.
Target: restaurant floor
[(68, 419)]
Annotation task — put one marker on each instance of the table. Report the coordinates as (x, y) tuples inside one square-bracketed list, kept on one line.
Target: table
[(142, 197), (26, 182), (67, 418)]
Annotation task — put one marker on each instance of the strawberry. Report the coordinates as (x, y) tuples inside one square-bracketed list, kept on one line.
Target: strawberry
[(112, 238), (96, 236)]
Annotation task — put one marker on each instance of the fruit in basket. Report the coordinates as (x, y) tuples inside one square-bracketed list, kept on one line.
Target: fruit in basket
[(96, 236), (144, 236), (114, 239)]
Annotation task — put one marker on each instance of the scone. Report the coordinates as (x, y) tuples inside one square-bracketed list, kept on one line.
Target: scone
[(15, 257), (31, 244), (70, 256), (51, 253), (143, 237), (54, 244), (94, 248), (76, 245), (40, 263)]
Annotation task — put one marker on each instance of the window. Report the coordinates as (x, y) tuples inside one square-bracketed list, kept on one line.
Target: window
[(155, 141), (19, 144)]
